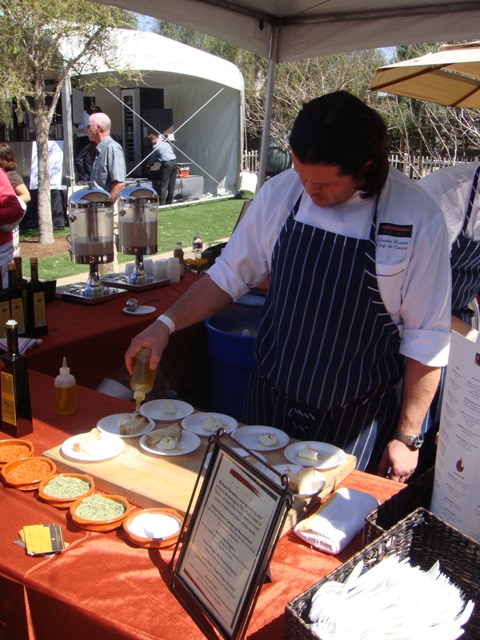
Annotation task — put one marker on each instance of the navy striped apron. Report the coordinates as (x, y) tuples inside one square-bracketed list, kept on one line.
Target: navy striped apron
[(465, 264), (327, 351)]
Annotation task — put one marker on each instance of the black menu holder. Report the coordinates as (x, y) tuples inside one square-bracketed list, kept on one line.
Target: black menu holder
[(222, 556)]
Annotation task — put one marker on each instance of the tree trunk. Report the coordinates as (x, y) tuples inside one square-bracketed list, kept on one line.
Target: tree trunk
[(45, 223)]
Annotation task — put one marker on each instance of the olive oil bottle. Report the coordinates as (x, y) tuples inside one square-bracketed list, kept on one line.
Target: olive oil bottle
[(14, 387), (4, 307), (16, 299), (36, 317)]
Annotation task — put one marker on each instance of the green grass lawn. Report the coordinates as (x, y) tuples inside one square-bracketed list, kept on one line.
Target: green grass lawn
[(213, 220)]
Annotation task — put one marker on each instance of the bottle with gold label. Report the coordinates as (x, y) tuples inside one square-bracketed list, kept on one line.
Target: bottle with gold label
[(4, 307), (15, 390), (15, 299), (36, 317)]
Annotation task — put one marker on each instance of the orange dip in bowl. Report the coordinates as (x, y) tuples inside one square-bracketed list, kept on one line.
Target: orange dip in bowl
[(27, 473), (15, 449)]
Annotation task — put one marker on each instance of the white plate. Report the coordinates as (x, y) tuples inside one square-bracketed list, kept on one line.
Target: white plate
[(188, 443), (241, 452), (109, 424), (154, 410), (196, 422), (293, 468), (141, 310), (113, 447), (248, 437), (329, 455)]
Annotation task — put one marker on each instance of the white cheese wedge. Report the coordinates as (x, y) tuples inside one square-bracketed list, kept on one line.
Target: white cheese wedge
[(213, 424), (308, 453), (156, 438), (268, 439), (169, 408)]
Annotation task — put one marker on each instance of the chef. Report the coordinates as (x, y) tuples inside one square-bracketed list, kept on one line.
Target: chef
[(359, 293), (455, 189)]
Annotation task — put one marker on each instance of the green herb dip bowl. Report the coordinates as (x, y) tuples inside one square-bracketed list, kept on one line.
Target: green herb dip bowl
[(63, 489), (104, 524)]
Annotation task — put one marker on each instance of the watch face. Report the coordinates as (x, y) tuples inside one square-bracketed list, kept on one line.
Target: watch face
[(418, 441)]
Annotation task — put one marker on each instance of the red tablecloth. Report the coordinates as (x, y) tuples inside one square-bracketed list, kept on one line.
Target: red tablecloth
[(94, 338), (102, 587)]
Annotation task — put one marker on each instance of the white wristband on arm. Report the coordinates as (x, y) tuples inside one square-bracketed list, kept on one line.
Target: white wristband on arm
[(166, 320)]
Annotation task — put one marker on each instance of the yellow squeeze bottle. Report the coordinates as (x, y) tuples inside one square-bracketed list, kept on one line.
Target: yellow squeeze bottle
[(143, 377), (65, 391)]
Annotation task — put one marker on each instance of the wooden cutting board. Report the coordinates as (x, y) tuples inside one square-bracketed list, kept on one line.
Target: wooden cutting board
[(148, 480)]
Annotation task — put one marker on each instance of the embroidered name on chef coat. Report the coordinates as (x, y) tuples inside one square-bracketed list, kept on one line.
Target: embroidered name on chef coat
[(394, 236)]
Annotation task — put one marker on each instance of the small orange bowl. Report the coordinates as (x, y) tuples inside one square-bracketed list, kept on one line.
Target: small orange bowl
[(64, 502), (97, 500), (27, 473), (14, 450), (153, 528)]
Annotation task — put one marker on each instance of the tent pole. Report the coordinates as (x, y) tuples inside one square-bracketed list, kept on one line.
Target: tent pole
[(68, 132), (272, 66)]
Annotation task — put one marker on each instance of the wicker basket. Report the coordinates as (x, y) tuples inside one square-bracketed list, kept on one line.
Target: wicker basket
[(423, 538), (415, 495)]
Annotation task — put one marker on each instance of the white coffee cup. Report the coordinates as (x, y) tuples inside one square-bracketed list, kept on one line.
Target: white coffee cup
[(160, 269)]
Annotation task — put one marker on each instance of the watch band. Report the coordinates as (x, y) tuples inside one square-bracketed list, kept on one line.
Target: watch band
[(168, 321), (411, 441)]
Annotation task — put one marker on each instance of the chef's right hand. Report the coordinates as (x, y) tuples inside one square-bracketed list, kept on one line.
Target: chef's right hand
[(154, 337)]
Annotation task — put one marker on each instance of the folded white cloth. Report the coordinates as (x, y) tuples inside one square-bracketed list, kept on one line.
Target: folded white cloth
[(338, 521), (24, 344)]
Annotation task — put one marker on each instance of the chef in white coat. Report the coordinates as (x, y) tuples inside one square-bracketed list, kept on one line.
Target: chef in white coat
[(359, 293)]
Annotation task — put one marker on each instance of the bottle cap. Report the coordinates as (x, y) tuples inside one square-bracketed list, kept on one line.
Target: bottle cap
[(64, 370)]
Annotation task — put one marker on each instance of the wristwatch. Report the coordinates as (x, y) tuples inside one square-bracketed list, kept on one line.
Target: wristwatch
[(412, 441)]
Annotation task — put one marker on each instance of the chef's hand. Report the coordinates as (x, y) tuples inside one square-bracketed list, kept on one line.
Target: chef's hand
[(154, 337), (398, 461)]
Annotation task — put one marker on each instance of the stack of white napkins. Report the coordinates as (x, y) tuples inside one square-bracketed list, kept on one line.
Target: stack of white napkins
[(337, 521), (24, 344), (392, 600)]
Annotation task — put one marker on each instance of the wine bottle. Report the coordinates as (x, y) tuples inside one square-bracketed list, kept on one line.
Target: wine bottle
[(36, 317), (4, 307), (15, 390), (15, 299)]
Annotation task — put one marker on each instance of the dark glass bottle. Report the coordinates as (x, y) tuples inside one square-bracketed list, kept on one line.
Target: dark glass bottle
[(22, 282), (15, 298), (4, 306), (15, 390), (36, 317)]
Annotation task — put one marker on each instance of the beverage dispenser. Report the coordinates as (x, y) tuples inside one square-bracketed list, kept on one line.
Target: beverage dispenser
[(90, 217), (138, 227)]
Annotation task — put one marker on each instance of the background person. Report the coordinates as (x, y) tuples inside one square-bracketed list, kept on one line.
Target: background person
[(163, 179), (11, 212), (9, 163), (358, 298), (109, 170)]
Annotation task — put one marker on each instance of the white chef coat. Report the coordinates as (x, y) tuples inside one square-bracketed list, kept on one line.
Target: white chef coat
[(413, 272), (450, 188)]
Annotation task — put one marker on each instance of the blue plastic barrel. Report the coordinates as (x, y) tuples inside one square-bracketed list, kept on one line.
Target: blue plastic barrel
[(231, 337)]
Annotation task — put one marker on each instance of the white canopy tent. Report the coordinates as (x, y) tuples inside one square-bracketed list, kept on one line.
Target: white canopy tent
[(206, 94), (285, 30)]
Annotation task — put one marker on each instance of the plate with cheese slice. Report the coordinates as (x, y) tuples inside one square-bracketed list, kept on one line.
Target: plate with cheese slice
[(260, 438), (166, 410), (170, 441), (320, 455), (304, 481), (93, 446), (205, 424), (126, 425)]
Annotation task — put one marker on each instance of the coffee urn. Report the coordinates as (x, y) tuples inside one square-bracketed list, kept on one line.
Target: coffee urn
[(138, 227), (90, 218)]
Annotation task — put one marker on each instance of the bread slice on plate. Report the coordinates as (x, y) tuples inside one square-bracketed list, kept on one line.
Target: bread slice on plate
[(131, 424), (91, 443), (165, 439)]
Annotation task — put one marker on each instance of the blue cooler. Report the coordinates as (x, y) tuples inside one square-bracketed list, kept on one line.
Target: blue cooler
[(231, 336)]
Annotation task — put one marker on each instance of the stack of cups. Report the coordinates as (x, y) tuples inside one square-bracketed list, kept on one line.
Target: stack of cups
[(160, 269), (173, 270)]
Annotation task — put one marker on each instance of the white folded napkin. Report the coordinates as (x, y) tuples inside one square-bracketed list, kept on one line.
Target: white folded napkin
[(24, 344), (338, 521)]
